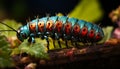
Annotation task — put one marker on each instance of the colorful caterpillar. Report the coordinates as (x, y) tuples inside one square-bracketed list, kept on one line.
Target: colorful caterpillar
[(58, 27)]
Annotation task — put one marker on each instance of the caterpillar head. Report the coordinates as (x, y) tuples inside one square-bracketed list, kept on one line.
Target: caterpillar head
[(22, 33)]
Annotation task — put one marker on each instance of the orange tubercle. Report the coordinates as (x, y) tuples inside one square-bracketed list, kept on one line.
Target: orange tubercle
[(84, 31), (49, 25), (40, 26), (68, 28), (58, 26), (76, 29), (91, 34), (32, 27)]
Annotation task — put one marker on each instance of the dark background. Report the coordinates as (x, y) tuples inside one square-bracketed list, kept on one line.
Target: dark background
[(31, 8)]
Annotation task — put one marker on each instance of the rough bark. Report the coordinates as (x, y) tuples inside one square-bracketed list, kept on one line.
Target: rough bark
[(88, 56)]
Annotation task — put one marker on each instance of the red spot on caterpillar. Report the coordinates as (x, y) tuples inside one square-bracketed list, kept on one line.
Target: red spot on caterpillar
[(41, 26), (68, 28), (76, 29), (49, 25), (58, 26), (84, 31), (98, 37), (32, 27), (91, 34)]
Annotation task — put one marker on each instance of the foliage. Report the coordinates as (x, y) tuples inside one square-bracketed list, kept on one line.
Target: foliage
[(5, 59), (37, 49), (107, 33), (11, 23), (89, 11)]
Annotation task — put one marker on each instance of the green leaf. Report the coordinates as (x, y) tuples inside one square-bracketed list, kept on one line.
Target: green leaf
[(89, 11), (11, 23), (36, 49), (5, 59), (107, 33)]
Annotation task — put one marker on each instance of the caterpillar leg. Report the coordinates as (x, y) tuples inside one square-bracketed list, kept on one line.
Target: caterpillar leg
[(74, 42), (57, 37), (84, 41), (54, 43), (46, 37), (59, 43), (66, 43), (31, 38)]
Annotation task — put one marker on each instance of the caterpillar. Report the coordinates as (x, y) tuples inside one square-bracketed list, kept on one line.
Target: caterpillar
[(56, 27)]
